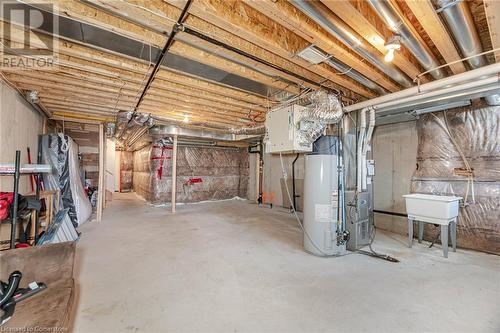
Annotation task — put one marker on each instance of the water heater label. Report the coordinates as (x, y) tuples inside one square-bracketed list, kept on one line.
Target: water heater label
[(323, 213)]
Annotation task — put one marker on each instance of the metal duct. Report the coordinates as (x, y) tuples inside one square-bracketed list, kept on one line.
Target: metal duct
[(356, 76), (340, 30), (323, 109), (161, 131), (461, 24), (258, 129), (395, 21)]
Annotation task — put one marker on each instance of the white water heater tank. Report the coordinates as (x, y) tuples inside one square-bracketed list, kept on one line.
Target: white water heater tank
[(321, 205)]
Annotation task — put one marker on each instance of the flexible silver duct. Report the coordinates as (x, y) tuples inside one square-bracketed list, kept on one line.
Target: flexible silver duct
[(340, 30), (356, 76), (324, 109), (394, 20), (461, 24)]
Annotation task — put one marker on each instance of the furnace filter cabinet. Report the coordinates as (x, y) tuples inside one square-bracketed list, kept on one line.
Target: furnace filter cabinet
[(321, 202)]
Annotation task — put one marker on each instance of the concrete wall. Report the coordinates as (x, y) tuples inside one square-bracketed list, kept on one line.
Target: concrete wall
[(20, 125), (395, 155), (273, 175)]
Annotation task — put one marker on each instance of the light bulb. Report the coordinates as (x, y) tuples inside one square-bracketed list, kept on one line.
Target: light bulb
[(186, 118), (389, 56)]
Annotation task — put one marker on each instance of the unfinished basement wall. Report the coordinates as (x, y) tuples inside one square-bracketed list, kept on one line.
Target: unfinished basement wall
[(20, 126), (126, 170), (203, 173), (274, 182), (439, 170), (395, 154)]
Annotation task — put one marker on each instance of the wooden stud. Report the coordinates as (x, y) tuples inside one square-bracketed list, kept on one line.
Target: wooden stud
[(100, 193)]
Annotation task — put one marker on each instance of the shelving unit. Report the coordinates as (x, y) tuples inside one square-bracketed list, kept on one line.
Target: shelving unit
[(16, 170)]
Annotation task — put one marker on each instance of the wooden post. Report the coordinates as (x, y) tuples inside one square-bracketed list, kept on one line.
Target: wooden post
[(257, 176), (101, 189), (174, 172)]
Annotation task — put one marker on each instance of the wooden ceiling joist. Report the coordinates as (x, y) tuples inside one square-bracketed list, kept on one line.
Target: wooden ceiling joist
[(48, 89), (285, 14), (435, 28), (228, 29), (352, 17), (214, 60), (86, 56), (492, 9), (129, 92)]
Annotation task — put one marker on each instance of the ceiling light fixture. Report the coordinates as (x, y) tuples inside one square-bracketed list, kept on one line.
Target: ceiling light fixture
[(393, 44), (186, 119)]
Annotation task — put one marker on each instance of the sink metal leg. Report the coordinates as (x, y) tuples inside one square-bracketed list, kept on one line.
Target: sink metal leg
[(410, 232), (454, 235), (444, 240), (420, 231)]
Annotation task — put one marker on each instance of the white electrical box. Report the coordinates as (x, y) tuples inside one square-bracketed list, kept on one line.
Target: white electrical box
[(282, 129)]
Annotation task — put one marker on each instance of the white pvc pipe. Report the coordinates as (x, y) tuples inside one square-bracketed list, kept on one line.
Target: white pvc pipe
[(417, 92), (467, 86), (361, 139), (366, 144)]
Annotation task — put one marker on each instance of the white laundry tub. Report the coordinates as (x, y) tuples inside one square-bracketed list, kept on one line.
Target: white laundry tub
[(431, 208)]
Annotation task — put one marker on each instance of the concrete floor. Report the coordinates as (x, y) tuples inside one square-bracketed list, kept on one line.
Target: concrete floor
[(234, 267)]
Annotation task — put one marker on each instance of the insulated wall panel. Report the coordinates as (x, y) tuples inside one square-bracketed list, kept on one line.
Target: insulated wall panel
[(203, 173), (440, 170)]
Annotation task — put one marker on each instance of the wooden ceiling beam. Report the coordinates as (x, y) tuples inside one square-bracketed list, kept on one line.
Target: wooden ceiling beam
[(77, 10), (109, 62), (142, 12), (193, 114), (435, 28), (227, 30), (179, 114), (47, 89), (212, 59), (352, 17), (286, 15), (132, 90), (492, 10)]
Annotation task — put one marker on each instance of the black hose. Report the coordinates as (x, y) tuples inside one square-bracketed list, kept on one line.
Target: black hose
[(14, 279)]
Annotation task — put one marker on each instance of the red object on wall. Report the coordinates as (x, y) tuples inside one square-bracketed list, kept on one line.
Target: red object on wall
[(192, 181), (162, 158)]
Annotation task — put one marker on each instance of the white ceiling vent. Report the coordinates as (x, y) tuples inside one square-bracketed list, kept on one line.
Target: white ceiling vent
[(313, 55)]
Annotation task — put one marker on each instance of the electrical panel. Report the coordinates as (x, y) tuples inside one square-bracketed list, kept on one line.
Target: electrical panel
[(282, 130)]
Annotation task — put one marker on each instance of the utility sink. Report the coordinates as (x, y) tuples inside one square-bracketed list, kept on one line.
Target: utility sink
[(432, 208)]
